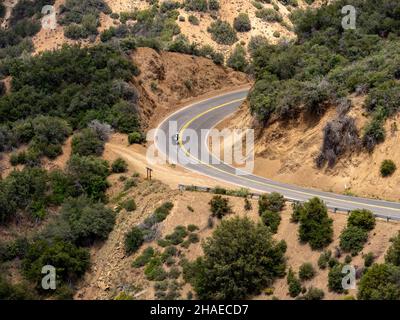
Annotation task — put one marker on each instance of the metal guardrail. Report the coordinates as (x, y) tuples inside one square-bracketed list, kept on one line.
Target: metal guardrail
[(252, 195)]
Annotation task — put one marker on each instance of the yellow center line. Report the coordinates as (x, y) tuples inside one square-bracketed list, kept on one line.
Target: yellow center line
[(187, 153)]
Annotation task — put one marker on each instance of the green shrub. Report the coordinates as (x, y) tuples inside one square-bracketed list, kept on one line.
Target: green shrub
[(297, 208), (393, 253), (379, 283), (144, 258), (324, 259), (161, 213), (219, 207), (242, 23), (154, 270), (368, 259), (133, 240), (87, 143), (193, 20), (237, 59), (269, 15), (70, 262), (335, 277), (177, 236), (364, 219), (352, 239), (315, 225), (272, 202), (222, 32), (119, 166), (196, 5), (313, 294), (192, 228), (82, 221), (306, 271), (271, 219), (262, 260), (293, 283), (136, 138), (129, 205), (247, 204), (388, 167), (89, 175)]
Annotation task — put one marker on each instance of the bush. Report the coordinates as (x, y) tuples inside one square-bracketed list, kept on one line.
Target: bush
[(70, 262), (262, 260), (306, 271), (271, 219), (129, 205), (89, 175), (324, 259), (242, 23), (313, 294), (388, 167), (294, 284), (269, 15), (222, 32), (196, 5), (136, 138), (133, 240), (237, 59), (393, 253), (154, 270), (315, 225), (88, 221), (119, 166), (368, 259), (335, 277), (219, 207), (144, 258), (379, 283), (297, 208), (272, 202), (193, 20), (364, 219), (352, 239), (87, 143), (161, 213), (177, 236)]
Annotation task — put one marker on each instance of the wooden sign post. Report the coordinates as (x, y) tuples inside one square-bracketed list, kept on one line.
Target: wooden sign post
[(149, 171)]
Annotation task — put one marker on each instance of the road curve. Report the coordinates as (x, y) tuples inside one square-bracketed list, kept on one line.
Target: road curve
[(204, 115)]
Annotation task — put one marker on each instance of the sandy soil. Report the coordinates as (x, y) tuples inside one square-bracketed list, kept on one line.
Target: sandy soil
[(112, 272), (52, 39), (171, 80)]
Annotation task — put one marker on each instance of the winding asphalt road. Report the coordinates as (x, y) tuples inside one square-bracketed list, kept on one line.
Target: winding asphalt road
[(200, 117)]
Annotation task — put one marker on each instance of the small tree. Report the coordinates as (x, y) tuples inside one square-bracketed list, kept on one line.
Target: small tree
[(237, 59), (353, 239), (388, 167), (136, 138), (380, 283), (315, 225), (271, 219), (133, 240), (306, 271), (219, 207), (273, 202), (119, 166), (335, 277), (242, 23), (294, 284), (364, 219), (393, 254), (240, 259)]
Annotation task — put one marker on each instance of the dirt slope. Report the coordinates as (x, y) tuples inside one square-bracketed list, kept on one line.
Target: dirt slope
[(168, 80), (286, 152)]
